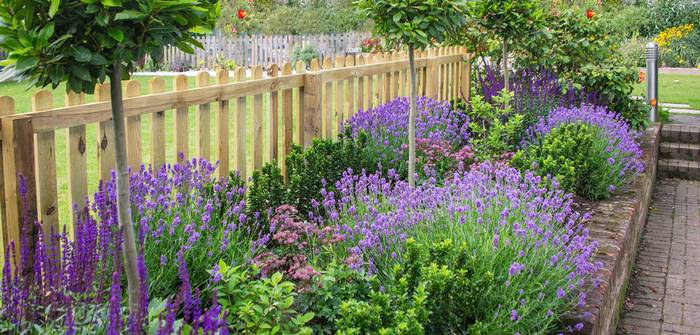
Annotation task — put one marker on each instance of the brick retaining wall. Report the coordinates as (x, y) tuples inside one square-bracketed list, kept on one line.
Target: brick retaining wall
[(617, 224)]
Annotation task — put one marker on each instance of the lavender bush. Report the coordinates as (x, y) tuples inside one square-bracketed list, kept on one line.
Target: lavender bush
[(601, 156), (387, 130), (523, 235), (184, 215)]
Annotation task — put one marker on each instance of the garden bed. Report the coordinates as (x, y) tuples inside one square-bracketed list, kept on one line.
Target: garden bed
[(617, 225)]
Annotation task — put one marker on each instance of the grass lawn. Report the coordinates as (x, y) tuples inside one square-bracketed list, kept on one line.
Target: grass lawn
[(676, 88), (23, 96)]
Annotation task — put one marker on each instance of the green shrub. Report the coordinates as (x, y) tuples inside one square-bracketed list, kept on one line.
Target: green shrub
[(267, 190), (323, 163), (495, 129), (305, 54), (633, 51), (259, 305), (626, 21), (578, 157), (308, 171)]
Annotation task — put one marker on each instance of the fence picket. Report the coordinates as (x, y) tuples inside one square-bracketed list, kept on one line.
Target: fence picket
[(287, 126), (105, 144), (240, 144), (349, 96), (133, 128), (181, 123), (203, 120), (339, 91), (328, 102), (274, 117), (257, 123), (157, 85), (222, 126), (47, 190), (7, 107)]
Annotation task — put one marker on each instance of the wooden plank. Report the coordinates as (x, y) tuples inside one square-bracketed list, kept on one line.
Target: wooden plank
[(181, 123), (394, 83), (361, 101), (466, 76), (257, 123), (240, 142), (203, 120), (105, 143), (133, 129), (328, 102), (339, 98), (7, 107), (300, 106), (77, 161), (313, 84), (157, 85), (388, 79), (20, 186), (222, 126), (47, 190), (349, 96), (274, 117), (431, 76), (370, 83), (287, 125)]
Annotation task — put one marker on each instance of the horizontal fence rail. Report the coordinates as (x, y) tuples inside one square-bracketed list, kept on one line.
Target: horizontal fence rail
[(241, 119), (252, 50)]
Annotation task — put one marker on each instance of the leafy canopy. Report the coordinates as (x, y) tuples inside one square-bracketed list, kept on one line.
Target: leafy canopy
[(510, 20), (417, 23), (78, 41)]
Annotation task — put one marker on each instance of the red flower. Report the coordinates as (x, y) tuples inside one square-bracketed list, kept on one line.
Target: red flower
[(242, 14), (590, 13)]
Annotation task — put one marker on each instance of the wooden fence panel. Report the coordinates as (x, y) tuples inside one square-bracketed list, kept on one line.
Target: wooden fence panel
[(29, 145)]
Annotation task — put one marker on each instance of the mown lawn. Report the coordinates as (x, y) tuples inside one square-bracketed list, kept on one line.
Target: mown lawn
[(22, 98), (676, 88)]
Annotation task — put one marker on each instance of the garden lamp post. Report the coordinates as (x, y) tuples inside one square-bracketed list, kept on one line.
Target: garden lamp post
[(652, 55)]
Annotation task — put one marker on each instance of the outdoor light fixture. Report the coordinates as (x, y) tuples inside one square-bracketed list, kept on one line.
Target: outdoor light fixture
[(652, 53)]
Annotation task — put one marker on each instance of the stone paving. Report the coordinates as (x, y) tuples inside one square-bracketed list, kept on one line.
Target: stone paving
[(664, 292)]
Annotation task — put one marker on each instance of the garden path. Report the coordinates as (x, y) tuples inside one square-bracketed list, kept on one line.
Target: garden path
[(664, 292)]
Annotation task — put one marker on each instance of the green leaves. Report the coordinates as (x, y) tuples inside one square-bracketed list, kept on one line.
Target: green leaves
[(42, 36), (129, 14), (414, 23), (116, 33), (53, 9)]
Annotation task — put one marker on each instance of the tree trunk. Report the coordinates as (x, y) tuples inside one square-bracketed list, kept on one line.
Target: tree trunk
[(412, 120), (123, 202), (505, 65)]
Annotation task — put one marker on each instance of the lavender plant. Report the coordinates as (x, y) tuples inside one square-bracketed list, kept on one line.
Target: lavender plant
[(592, 159), (387, 134), (523, 235)]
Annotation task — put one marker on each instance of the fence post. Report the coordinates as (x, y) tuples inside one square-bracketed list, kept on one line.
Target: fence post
[(7, 107), (20, 199), (465, 86), (313, 103)]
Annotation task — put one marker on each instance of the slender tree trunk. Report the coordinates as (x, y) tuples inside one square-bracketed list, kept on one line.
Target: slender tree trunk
[(123, 202), (505, 65), (412, 120)]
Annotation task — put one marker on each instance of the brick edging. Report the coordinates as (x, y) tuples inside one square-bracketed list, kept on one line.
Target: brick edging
[(617, 225)]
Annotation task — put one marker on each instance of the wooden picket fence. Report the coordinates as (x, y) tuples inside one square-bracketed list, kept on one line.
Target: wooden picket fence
[(252, 50), (302, 105)]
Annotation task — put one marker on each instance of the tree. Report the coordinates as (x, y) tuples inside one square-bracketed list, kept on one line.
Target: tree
[(82, 43), (512, 21), (415, 24)]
